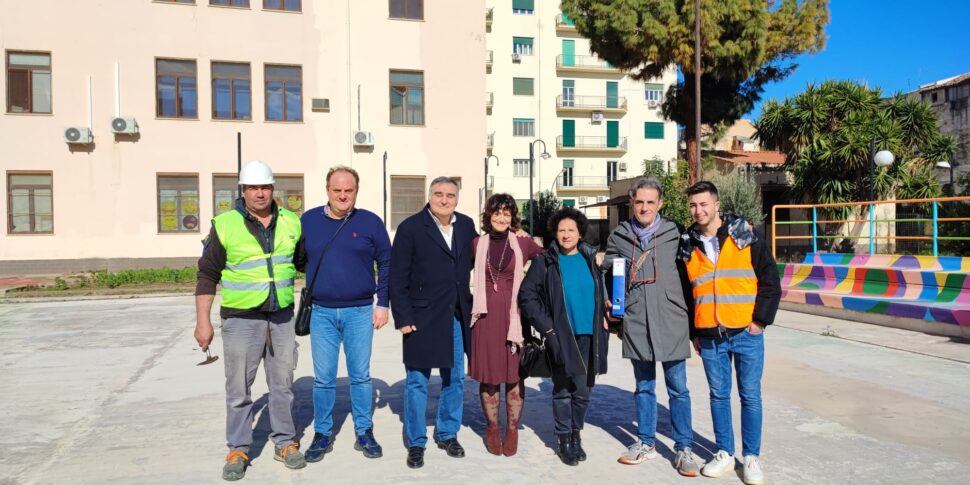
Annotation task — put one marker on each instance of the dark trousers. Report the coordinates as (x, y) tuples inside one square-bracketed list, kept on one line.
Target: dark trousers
[(570, 394)]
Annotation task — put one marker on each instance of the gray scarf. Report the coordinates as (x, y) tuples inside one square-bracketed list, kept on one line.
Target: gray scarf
[(645, 234)]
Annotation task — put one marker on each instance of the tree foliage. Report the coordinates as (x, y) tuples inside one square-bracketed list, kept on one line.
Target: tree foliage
[(674, 185), (826, 132), (744, 45), (546, 203), (740, 196)]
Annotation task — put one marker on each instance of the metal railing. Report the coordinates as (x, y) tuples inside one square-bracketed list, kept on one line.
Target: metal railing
[(584, 62), (565, 182), (933, 220), (591, 142), (591, 102)]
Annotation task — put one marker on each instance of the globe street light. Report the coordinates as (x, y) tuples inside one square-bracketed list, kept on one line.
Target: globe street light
[(883, 158), (947, 165), (485, 189), (532, 158)]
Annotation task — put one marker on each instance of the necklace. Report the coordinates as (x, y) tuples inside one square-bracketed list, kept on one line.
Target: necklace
[(491, 270)]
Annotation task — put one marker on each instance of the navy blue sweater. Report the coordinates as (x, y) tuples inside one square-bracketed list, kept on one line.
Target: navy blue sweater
[(347, 273)]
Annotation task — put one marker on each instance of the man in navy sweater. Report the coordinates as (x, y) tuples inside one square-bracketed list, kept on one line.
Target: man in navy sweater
[(343, 306)]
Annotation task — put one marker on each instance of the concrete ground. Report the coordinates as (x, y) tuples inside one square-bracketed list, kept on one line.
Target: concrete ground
[(108, 391)]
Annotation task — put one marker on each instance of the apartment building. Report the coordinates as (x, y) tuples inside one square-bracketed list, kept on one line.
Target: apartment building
[(596, 124), (120, 117)]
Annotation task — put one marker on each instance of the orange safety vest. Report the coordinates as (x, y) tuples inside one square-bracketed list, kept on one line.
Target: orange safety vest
[(724, 294)]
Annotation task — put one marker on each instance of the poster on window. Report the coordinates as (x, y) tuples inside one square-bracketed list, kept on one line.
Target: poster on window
[(294, 202), (168, 202), (223, 201), (170, 222)]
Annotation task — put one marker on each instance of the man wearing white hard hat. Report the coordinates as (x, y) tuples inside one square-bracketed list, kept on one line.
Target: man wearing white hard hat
[(251, 250)]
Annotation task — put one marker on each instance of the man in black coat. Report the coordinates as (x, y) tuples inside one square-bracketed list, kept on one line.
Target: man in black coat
[(431, 304)]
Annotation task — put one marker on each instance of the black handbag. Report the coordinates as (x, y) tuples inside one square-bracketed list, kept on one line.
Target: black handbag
[(536, 361), (301, 325)]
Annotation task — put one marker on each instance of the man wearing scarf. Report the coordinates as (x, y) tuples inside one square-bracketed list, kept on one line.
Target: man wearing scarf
[(656, 323)]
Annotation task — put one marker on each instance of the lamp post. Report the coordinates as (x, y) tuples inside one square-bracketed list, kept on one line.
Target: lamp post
[(532, 158), (485, 189), (948, 165), (883, 158)]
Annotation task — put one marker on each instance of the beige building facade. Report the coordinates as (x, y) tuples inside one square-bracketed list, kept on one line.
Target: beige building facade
[(307, 85), (597, 124)]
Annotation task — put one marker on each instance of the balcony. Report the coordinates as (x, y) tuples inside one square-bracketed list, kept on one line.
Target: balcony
[(489, 57), (586, 104), (488, 17), (564, 24), (489, 101), (589, 144), (490, 140), (587, 64), (581, 184)]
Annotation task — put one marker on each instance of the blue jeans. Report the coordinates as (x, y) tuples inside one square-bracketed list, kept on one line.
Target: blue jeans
[(449, 403), (354, 326), (675, 376), (748, 353)]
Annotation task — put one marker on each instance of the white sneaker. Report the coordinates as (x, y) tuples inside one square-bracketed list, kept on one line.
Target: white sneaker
[(752, 471), (719, 465)]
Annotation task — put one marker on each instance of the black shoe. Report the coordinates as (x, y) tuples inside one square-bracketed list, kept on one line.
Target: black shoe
[(451, 446), (578, 446), (567, 451), (415, 457), (366, 443), (321, 445)]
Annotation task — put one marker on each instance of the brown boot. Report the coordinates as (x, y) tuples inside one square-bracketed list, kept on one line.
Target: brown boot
[(514, 400), (490, 403)]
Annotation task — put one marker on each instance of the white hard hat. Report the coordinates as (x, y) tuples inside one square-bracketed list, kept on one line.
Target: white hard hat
[(256, 172)]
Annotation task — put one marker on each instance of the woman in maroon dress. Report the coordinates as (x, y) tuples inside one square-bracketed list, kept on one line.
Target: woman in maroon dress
[(499, 258)]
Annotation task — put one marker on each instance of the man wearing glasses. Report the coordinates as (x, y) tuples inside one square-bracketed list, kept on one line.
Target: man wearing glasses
[(656, 321)]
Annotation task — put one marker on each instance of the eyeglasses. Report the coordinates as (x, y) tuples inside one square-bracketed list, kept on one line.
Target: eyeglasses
[(635, 267)]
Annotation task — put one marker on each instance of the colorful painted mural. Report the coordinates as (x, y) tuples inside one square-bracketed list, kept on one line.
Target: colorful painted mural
[(923, 287)]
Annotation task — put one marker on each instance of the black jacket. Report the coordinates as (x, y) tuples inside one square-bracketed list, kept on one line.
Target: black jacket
[(769, 284), (542, 303), (429, 287)]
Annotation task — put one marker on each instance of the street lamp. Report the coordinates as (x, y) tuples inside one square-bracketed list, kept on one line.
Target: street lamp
[(947, 165), (485, 190), (883, 158), (532, 158)]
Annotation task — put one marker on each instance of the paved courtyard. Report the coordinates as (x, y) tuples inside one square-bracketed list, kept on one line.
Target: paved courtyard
[(108, 391)]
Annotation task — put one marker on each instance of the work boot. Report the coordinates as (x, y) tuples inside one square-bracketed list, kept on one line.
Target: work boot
[(567, 451), (578, 446), (290, 456)]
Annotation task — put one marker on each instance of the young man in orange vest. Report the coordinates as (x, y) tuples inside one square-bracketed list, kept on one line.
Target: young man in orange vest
[(736, 294)]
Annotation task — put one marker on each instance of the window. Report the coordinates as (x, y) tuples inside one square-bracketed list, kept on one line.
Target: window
[(225, 191), (523, 127), (568, 92), (524, 7), (178, 203), (30, 209), (28, 82), (523, 86), (569, 202), (653, 130), (522, 46), (934, 97), (407, 198), (287, 5), (230, 3), (176, 93), (520, 167), (407, 98), (566, 178), (611, 171), (231, 91), (955, 93), (406, 9), (192, 2), (284, 93), (653, 92)]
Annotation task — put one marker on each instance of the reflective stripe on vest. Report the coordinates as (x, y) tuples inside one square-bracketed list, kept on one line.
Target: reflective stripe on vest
[(249, 271), (724, 293)]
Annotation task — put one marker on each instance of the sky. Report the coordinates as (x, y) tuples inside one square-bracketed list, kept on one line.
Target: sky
[(895, 45)]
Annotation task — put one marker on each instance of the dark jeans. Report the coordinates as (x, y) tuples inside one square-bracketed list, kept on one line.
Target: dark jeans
[(570, 394)]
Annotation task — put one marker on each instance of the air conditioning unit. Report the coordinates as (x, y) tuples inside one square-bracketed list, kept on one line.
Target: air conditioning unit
[(516, 57), (597, 116), (601, 199), (583, 199), (363, 139), (124, 125), (621, 166), (320, 105), (76, 135), (653, 103)]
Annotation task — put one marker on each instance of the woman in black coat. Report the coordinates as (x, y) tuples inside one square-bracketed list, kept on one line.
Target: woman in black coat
[(563, 298)]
